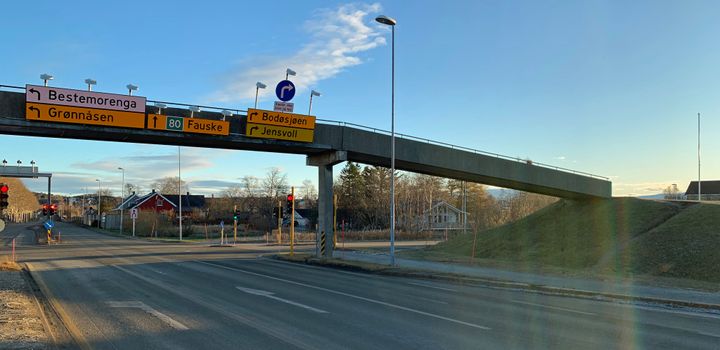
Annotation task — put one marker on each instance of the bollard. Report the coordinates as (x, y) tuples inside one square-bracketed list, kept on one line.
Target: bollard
[(13, 250)]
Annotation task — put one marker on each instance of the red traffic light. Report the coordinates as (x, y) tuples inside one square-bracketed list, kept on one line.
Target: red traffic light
[(54, 206), (4, 188), (290, 198)]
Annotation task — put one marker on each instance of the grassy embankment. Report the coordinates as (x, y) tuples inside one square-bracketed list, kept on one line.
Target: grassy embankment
[(621, 237)]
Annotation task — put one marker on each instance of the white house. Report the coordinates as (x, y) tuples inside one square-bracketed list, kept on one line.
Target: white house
[(443, 216)]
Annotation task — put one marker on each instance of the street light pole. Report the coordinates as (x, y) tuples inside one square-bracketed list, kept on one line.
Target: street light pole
[(699, 183), (258, 86), (122, 198), (391, 22), (312, 93)]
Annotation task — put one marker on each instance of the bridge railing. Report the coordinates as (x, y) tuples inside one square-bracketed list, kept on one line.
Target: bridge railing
[(463, 148), (381, 131)]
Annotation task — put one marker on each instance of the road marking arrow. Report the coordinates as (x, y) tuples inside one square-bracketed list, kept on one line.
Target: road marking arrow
[(264, 293), (285, 88), (142, 306)]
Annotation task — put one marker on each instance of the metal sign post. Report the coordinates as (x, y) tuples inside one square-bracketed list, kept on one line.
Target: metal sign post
[(133, 215), (292, 222)]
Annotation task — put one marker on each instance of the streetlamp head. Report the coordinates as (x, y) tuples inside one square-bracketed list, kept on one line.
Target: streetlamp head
[(120, 168), (226, 113), (314, 93), (195, 108), (32, 162), (386, 20), (46, 76), (290, 72), (131, 87), (260, 85), (90, 81), (19, 161), (160, 105)]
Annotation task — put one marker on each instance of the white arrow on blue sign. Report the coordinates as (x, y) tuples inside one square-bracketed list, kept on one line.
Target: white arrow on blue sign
[(285, 90), (48, 225)]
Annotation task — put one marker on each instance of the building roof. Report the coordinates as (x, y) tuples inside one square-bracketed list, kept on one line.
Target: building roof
[(708, 187), (188, 200), (444, 204)]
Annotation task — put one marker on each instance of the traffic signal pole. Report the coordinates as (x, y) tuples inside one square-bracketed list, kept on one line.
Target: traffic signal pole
[(279, 222), (235, 222)]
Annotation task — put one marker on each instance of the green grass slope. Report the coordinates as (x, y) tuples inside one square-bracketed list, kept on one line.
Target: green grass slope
[(687, 246), (567, 234)]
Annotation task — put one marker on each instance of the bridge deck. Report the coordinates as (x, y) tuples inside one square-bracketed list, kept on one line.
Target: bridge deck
[(362, 146)]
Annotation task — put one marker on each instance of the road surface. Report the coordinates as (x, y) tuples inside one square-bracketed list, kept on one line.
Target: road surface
[(118, 293)]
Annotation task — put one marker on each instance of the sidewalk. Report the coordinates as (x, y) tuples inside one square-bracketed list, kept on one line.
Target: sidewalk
[(564, 285)]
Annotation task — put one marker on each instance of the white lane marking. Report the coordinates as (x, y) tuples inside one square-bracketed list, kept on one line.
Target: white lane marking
[(264, 293), (433, 287), (679, 312), (348, 295), (142, 306), (554, 308), (158, 271)]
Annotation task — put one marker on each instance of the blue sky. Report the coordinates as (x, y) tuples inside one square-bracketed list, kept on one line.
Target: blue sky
[(607, 87)]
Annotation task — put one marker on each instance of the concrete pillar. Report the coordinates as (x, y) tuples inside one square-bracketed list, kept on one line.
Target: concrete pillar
[(325, 210), (324, 162)]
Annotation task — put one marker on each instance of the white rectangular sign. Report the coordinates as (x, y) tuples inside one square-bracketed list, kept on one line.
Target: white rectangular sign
[(84, 99), (286, 107)]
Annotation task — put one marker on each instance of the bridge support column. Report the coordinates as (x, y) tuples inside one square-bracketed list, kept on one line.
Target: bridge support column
[(325, 231)]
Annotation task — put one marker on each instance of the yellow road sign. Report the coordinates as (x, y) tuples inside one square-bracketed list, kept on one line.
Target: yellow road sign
[(279, 132), (75, 115), (193, 125), (259, 116)]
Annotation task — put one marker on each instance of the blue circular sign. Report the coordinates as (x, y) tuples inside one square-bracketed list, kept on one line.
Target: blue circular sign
[(285, 90)]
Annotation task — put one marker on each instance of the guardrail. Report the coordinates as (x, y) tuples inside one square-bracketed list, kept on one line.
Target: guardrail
[(399, 135)]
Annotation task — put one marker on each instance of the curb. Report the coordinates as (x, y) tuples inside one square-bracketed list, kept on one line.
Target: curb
[(545, 289), (62, 315)]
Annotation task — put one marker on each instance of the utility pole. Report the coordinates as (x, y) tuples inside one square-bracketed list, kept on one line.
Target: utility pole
[(699, 183)]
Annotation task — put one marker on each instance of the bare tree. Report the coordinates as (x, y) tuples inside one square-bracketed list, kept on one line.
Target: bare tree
[(130, 188), (250, 185), (671, 192), (275, 183), (233, 192), (309, 193), (169, 185)]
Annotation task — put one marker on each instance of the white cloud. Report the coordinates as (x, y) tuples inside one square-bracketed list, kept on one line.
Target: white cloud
[(337, 36)]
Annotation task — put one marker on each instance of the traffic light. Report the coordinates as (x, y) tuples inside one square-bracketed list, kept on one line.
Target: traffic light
[(3, 196), (275, 213), (289, 204), (236, 215), (53, 209), (45, 209)]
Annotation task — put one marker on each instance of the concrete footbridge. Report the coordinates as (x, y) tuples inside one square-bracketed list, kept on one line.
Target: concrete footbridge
[(26, 111)]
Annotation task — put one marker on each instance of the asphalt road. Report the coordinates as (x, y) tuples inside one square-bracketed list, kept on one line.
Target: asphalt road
[(129, 294)]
